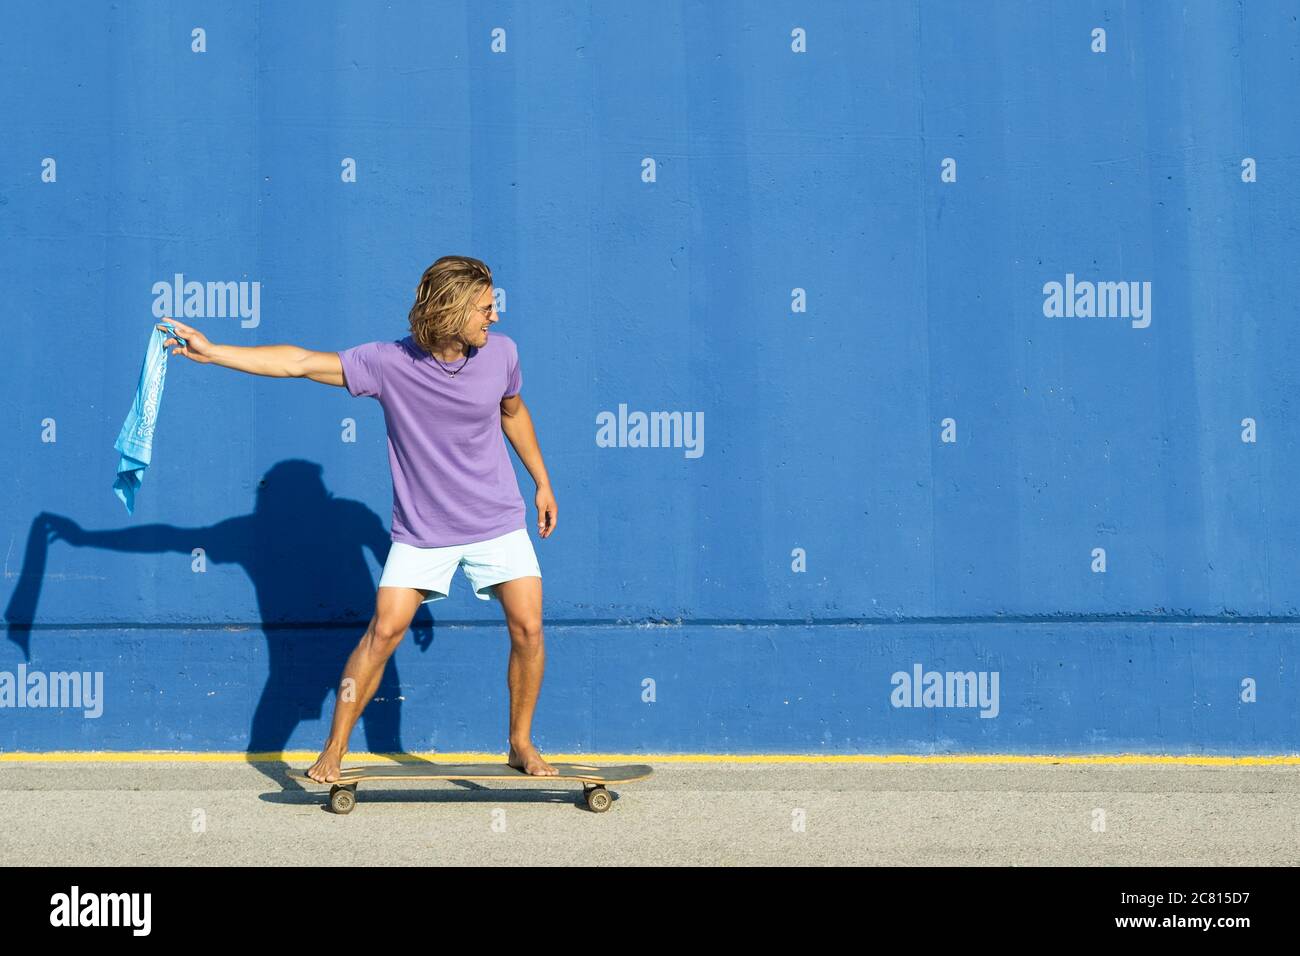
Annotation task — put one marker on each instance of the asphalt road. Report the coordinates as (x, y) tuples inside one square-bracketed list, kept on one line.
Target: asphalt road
[(238, 813)]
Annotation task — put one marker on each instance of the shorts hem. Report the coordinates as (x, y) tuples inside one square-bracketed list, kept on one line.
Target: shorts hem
[(491, 596), (434, 593)]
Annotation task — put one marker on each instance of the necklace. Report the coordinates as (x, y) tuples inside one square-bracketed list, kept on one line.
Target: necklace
[(449, 371)]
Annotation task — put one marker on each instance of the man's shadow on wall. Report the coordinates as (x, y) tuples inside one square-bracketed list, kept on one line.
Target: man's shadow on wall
[(303, 549)]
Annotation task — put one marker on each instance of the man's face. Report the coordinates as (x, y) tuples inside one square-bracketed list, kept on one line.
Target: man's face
[(481, 317)]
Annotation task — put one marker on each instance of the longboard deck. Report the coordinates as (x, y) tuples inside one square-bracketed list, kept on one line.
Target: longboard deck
[(343, 790), (481, 771)]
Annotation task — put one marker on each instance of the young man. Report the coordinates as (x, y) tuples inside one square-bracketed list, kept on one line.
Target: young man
[(449, 391)]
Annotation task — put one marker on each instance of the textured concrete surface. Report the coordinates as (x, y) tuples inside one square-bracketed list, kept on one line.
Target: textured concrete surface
[(687, 813)]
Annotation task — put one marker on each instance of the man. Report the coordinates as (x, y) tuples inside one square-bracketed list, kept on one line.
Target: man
[(449, 390)]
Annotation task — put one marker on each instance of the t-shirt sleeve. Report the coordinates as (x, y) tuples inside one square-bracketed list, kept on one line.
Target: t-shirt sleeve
[(363, 371), (514, 378)]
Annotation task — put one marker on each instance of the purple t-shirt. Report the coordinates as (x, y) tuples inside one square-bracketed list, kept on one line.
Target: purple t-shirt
[(452, 478)]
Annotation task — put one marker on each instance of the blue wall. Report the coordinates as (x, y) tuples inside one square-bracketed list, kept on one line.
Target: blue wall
[(916, 468)]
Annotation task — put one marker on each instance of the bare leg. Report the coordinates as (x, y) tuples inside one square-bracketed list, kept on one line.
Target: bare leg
[(521, 599), (394, 609)]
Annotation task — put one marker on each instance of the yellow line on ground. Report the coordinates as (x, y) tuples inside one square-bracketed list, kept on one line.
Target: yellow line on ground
[(307, 756)]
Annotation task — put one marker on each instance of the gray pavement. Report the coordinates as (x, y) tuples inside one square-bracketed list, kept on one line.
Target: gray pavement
[(687, 813)]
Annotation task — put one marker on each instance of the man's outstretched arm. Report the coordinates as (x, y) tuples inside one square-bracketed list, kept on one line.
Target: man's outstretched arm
[(277, 361)]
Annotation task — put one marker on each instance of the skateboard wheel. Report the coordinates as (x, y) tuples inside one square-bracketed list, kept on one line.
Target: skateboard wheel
[(599, 800), (342, 799)]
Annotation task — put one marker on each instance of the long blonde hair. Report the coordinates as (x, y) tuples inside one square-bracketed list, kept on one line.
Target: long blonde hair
[(446, 293)]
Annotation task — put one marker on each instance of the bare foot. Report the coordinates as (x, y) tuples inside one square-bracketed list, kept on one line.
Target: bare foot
[(326, 767), (526, 758)]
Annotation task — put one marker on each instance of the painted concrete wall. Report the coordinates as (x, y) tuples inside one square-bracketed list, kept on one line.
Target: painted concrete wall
[(826, 234)]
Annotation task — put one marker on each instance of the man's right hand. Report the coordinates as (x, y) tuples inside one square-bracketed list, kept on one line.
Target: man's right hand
[(197, 348)]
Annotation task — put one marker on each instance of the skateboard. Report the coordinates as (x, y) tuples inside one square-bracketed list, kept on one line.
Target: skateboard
[(343, 792)]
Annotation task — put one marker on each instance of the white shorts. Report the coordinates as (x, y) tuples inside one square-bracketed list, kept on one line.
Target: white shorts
[(486, 563)]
